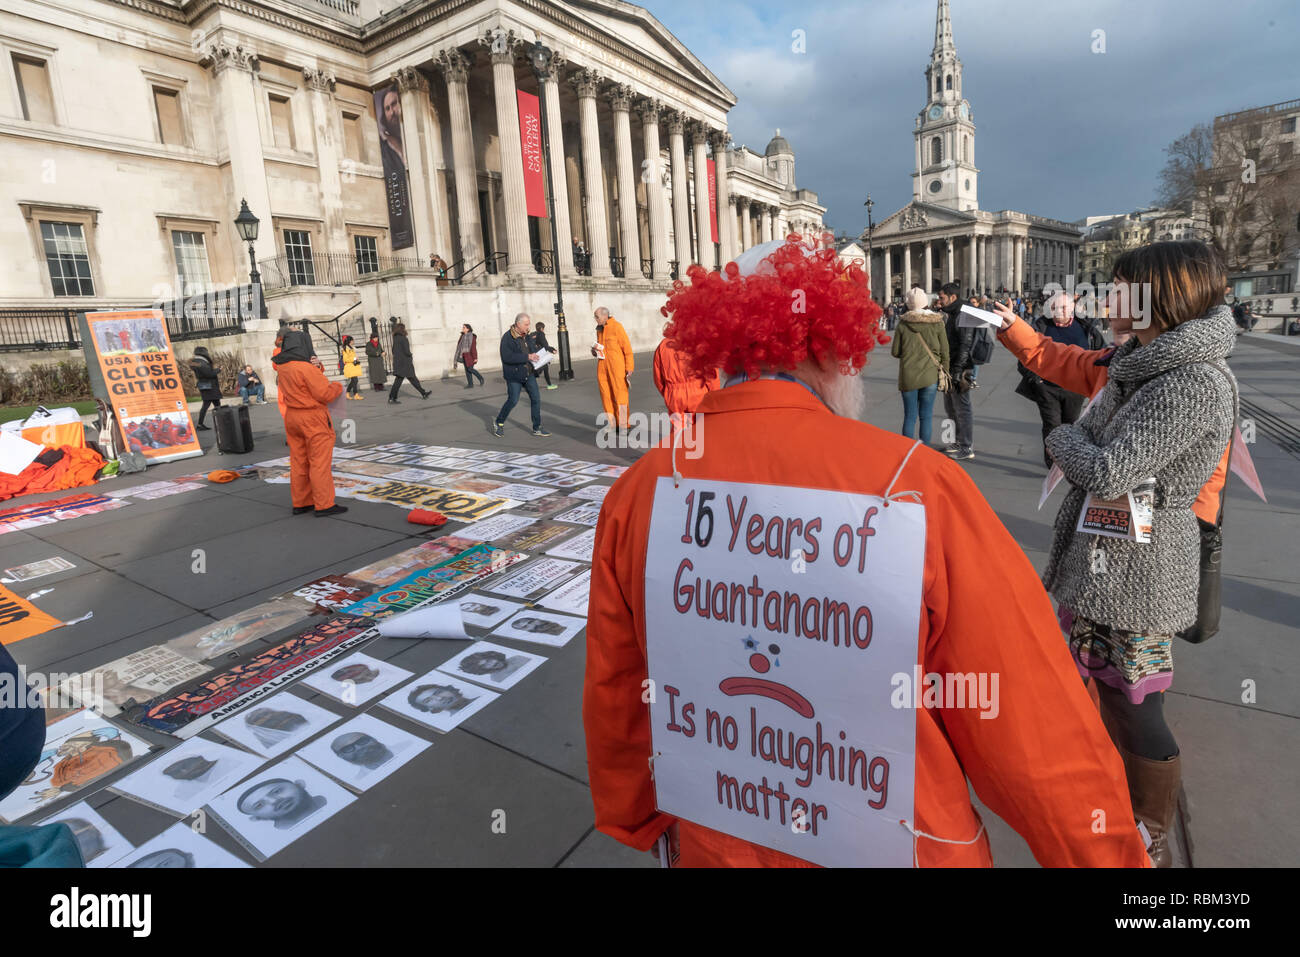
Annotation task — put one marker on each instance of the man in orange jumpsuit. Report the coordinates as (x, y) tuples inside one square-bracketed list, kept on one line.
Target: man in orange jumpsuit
[(681, 388), (786, 427), (613, 352), (306, 393)]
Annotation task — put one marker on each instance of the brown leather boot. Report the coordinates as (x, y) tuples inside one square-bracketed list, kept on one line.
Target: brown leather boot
[(1153, 787)]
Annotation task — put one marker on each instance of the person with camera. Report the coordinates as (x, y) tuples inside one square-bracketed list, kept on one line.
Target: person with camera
[(961, 370)]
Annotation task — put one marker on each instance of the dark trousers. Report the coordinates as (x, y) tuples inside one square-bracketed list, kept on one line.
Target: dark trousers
[(1056, 407), (471, 373), (352, 385), (207, 403), (546, 371), (397, 384), (957, 406), (512, 397), (1141, 728)]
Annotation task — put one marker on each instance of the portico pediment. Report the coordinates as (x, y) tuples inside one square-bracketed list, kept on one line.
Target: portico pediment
[(921, 218)]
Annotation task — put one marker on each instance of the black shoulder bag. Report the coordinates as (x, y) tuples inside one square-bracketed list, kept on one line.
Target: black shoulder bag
[(1209, 596)]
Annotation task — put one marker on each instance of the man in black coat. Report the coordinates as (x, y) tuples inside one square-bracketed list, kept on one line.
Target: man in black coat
[(957, 401), (517, 368), (1061, 324)]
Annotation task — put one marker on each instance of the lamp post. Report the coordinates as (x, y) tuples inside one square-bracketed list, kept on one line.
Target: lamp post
[(870, 226), (247, 224), (540, 57)]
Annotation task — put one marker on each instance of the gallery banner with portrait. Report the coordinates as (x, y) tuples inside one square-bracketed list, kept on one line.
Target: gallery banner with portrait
[(142, 383), (388, 116)]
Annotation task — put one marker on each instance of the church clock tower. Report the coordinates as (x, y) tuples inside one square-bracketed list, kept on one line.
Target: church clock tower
[(945, 173)]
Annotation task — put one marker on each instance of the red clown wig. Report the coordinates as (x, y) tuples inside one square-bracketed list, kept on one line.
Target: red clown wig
[(799, 302)]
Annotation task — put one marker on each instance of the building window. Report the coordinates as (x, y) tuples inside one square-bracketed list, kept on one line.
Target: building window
[(167, 108), (192, 274), (35, 95), (352, 138), (297, 250), (68, 259), (282, 122), (938, 84), (949, 81), (367, 254), (965, 152), (936, 151)]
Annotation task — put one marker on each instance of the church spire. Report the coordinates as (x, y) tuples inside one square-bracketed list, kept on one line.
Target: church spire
[(943, 42)]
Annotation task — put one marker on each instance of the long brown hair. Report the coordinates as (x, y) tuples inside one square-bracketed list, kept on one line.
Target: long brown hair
[(1186, 279)]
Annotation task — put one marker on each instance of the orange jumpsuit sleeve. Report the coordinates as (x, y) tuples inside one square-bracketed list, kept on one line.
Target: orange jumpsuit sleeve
[(658, 368), (1058, 782), (624, 345), (617, 725), (304, 386), (1073, 368)]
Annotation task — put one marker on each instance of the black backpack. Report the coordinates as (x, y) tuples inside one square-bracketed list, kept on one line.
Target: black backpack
[(981, 347)]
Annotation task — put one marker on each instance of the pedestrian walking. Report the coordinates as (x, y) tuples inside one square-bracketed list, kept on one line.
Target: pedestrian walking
[(307, 425), (921, 346), (538, 344), (961, 369), (516, 368), (467, 354), (205, 376), (375, 362), (1056, 405), (403, 365), (1164, 417), (351, 368)]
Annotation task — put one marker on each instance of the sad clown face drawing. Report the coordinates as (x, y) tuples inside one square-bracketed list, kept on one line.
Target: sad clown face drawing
[(760, 663)]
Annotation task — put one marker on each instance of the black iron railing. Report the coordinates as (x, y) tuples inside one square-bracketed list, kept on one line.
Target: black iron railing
[(202, 316), (332, 269), (544, 261), (648, 268), (672, 269), (490, 265), (617, 265)]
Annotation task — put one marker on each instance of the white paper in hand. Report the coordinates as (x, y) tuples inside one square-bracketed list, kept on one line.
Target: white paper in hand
[(974, 318), (543, 356), (439, 620)]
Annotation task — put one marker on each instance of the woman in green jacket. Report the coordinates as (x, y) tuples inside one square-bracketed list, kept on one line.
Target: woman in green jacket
[(921, 346)]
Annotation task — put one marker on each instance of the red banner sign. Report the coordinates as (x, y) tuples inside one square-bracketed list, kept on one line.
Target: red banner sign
[(530, 139), (713, 199)]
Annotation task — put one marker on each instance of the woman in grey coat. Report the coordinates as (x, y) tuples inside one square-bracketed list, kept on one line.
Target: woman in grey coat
[(1165, 414)]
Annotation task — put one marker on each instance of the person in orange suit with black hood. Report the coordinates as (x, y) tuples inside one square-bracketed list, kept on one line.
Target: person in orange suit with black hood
[(614, 366), (306, 395), (900, 577)]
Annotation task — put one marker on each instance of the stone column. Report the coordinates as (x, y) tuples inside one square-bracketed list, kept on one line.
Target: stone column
[(928, 274), (949, 261), (325, 124), (455, 67), (573, 179), (907, 267), (233, 66), (654, 187), (767, 224), (503, 47), (557, 167), (413, 88), (1018, 273), (744, 225), (726, 220), (703, 225), (887, 252), (681, 193), (587, 82), (971, 282), (620, 101)]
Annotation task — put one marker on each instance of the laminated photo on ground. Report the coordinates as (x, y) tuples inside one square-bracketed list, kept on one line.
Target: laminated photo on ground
[(542, 627), (494, 666), (276, 724), (356, 679), (180, 846), (362, 752), (439, 700), (183, 779), (100, 843)]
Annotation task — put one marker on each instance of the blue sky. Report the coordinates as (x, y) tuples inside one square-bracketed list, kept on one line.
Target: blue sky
[(1060, 131)]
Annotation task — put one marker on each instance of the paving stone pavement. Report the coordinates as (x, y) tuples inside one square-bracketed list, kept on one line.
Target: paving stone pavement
[(524, 755)]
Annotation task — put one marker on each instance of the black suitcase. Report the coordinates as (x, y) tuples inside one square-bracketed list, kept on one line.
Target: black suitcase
[(234, 431)]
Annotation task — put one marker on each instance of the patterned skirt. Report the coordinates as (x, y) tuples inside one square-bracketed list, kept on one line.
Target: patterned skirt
[(1129, 661)]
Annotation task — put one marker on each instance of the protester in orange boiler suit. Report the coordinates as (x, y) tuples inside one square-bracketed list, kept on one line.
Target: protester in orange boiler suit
[(1044, 764), (681, 388), (614, 365), (306, 393)]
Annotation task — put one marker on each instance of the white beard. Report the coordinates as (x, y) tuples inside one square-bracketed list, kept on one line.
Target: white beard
[(844, 395)]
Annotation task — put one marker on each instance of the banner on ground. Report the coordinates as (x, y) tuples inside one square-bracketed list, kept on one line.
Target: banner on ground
[(530, 145), (779, 622), (442, 581), (457, 506), (142, 383), (20, 619)]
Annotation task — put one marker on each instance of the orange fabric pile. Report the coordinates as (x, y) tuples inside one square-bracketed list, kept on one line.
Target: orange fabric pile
[(77, 468)]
